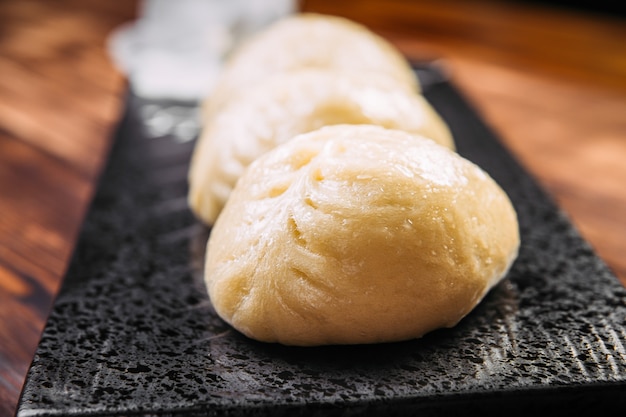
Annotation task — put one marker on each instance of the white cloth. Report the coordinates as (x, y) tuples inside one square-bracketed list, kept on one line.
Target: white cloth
[(175, 49)]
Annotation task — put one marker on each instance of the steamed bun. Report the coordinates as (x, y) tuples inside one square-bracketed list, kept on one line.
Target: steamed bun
[(358, 234), (309, 40), (297, 102)]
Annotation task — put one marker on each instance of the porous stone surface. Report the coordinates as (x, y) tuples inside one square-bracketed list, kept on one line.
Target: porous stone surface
[(133, 332)]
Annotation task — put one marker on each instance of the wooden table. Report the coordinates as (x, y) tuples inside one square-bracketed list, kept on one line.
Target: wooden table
[(551, 82)]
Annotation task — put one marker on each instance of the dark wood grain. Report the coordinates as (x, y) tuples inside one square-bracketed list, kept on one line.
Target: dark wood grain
[(550, 81), (59, 100)]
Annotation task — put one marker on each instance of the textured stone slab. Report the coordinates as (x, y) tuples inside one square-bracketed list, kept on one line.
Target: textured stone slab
[(132, 330)]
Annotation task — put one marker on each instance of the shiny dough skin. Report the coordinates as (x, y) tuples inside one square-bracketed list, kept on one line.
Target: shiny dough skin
[(358, 234), (293, 103), (308, 40)]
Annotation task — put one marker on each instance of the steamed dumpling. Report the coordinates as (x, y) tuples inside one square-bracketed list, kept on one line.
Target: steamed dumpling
[(297, 102), (358, 234), (309, 40)]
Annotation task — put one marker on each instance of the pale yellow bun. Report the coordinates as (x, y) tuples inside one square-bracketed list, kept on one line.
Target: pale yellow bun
[(297, 102), (309, 40), (358, 234)]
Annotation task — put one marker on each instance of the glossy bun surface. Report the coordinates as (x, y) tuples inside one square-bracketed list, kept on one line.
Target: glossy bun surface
[(358, 234)]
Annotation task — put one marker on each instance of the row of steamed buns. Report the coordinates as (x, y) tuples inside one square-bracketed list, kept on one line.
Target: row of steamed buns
[(340, 211)]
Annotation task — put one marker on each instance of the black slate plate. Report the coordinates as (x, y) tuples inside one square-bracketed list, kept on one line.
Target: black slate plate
[(132, 330)]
